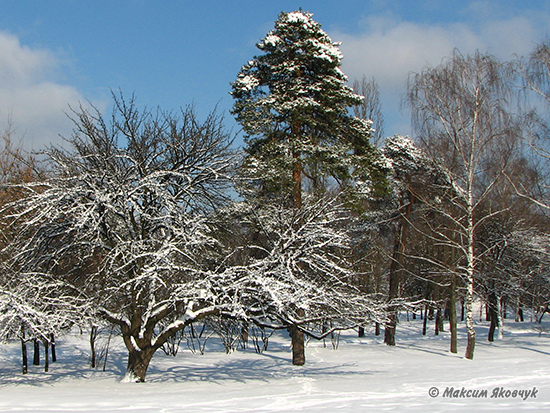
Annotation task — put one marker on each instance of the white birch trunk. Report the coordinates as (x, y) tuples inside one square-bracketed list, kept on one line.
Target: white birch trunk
[(470, 267), (500, 321)]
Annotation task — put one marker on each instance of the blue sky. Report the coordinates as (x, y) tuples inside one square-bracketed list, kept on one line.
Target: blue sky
[(173, 53)]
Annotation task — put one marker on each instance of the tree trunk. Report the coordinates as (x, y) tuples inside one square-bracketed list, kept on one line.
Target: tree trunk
[(492, 326), (36, 355), (361, 332), (439, 321), (469, 304), (297, 166), (377, 329), (501, 314), (298, 344), (395, 268), (297, 182), (24, 354), (244, 334), (425, 321), (52, 343), (452, 316), (93, 335), (138, 363), (297, 336), (389, 331), (496, 319), (470, 272), (519, 312), (46, 355)]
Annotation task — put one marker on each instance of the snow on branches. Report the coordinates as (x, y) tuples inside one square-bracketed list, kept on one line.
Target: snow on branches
[(121, 220), (293, 104), (298, 271)]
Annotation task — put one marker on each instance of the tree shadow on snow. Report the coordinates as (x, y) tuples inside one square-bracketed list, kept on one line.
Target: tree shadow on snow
[(263, 369), (72, 363)]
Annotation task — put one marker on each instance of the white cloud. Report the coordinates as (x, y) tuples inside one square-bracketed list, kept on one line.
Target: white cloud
[(389, 48), (30, 95)]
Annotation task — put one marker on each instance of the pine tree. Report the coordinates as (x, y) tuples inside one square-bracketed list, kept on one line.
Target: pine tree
[(292, 103)]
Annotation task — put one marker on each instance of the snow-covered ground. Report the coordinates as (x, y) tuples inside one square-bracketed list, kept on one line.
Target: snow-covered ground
[(361, 375)]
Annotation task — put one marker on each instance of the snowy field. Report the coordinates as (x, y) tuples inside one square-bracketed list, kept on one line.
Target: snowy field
[(361, 375)]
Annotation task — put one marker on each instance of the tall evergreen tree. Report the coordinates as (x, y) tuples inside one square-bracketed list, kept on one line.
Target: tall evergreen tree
[(292, 103)]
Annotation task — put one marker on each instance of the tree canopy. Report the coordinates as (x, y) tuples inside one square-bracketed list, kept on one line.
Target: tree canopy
[(292, 103)]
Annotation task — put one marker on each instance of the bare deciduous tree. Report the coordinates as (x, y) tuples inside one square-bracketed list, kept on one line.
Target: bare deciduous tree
[(121, 222), (461, 116), (370, 108)]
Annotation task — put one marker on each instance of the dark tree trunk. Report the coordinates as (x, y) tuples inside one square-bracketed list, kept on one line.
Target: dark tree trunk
[(395, 268), (298, 346), (36, 355), (24, 354), (519, 313), (52, 343), (46, 355), (361, 332), (543, 311), (491, 335), (439, 321), (462, 309), (93, 336), (138, 363), (297, 178), (244, 334), (377, 329), (447, 313), (470, 347), (491, 307), (389, 331), (425, 323)]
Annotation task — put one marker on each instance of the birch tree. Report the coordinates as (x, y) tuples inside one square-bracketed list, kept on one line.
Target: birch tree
[(460, 114)]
